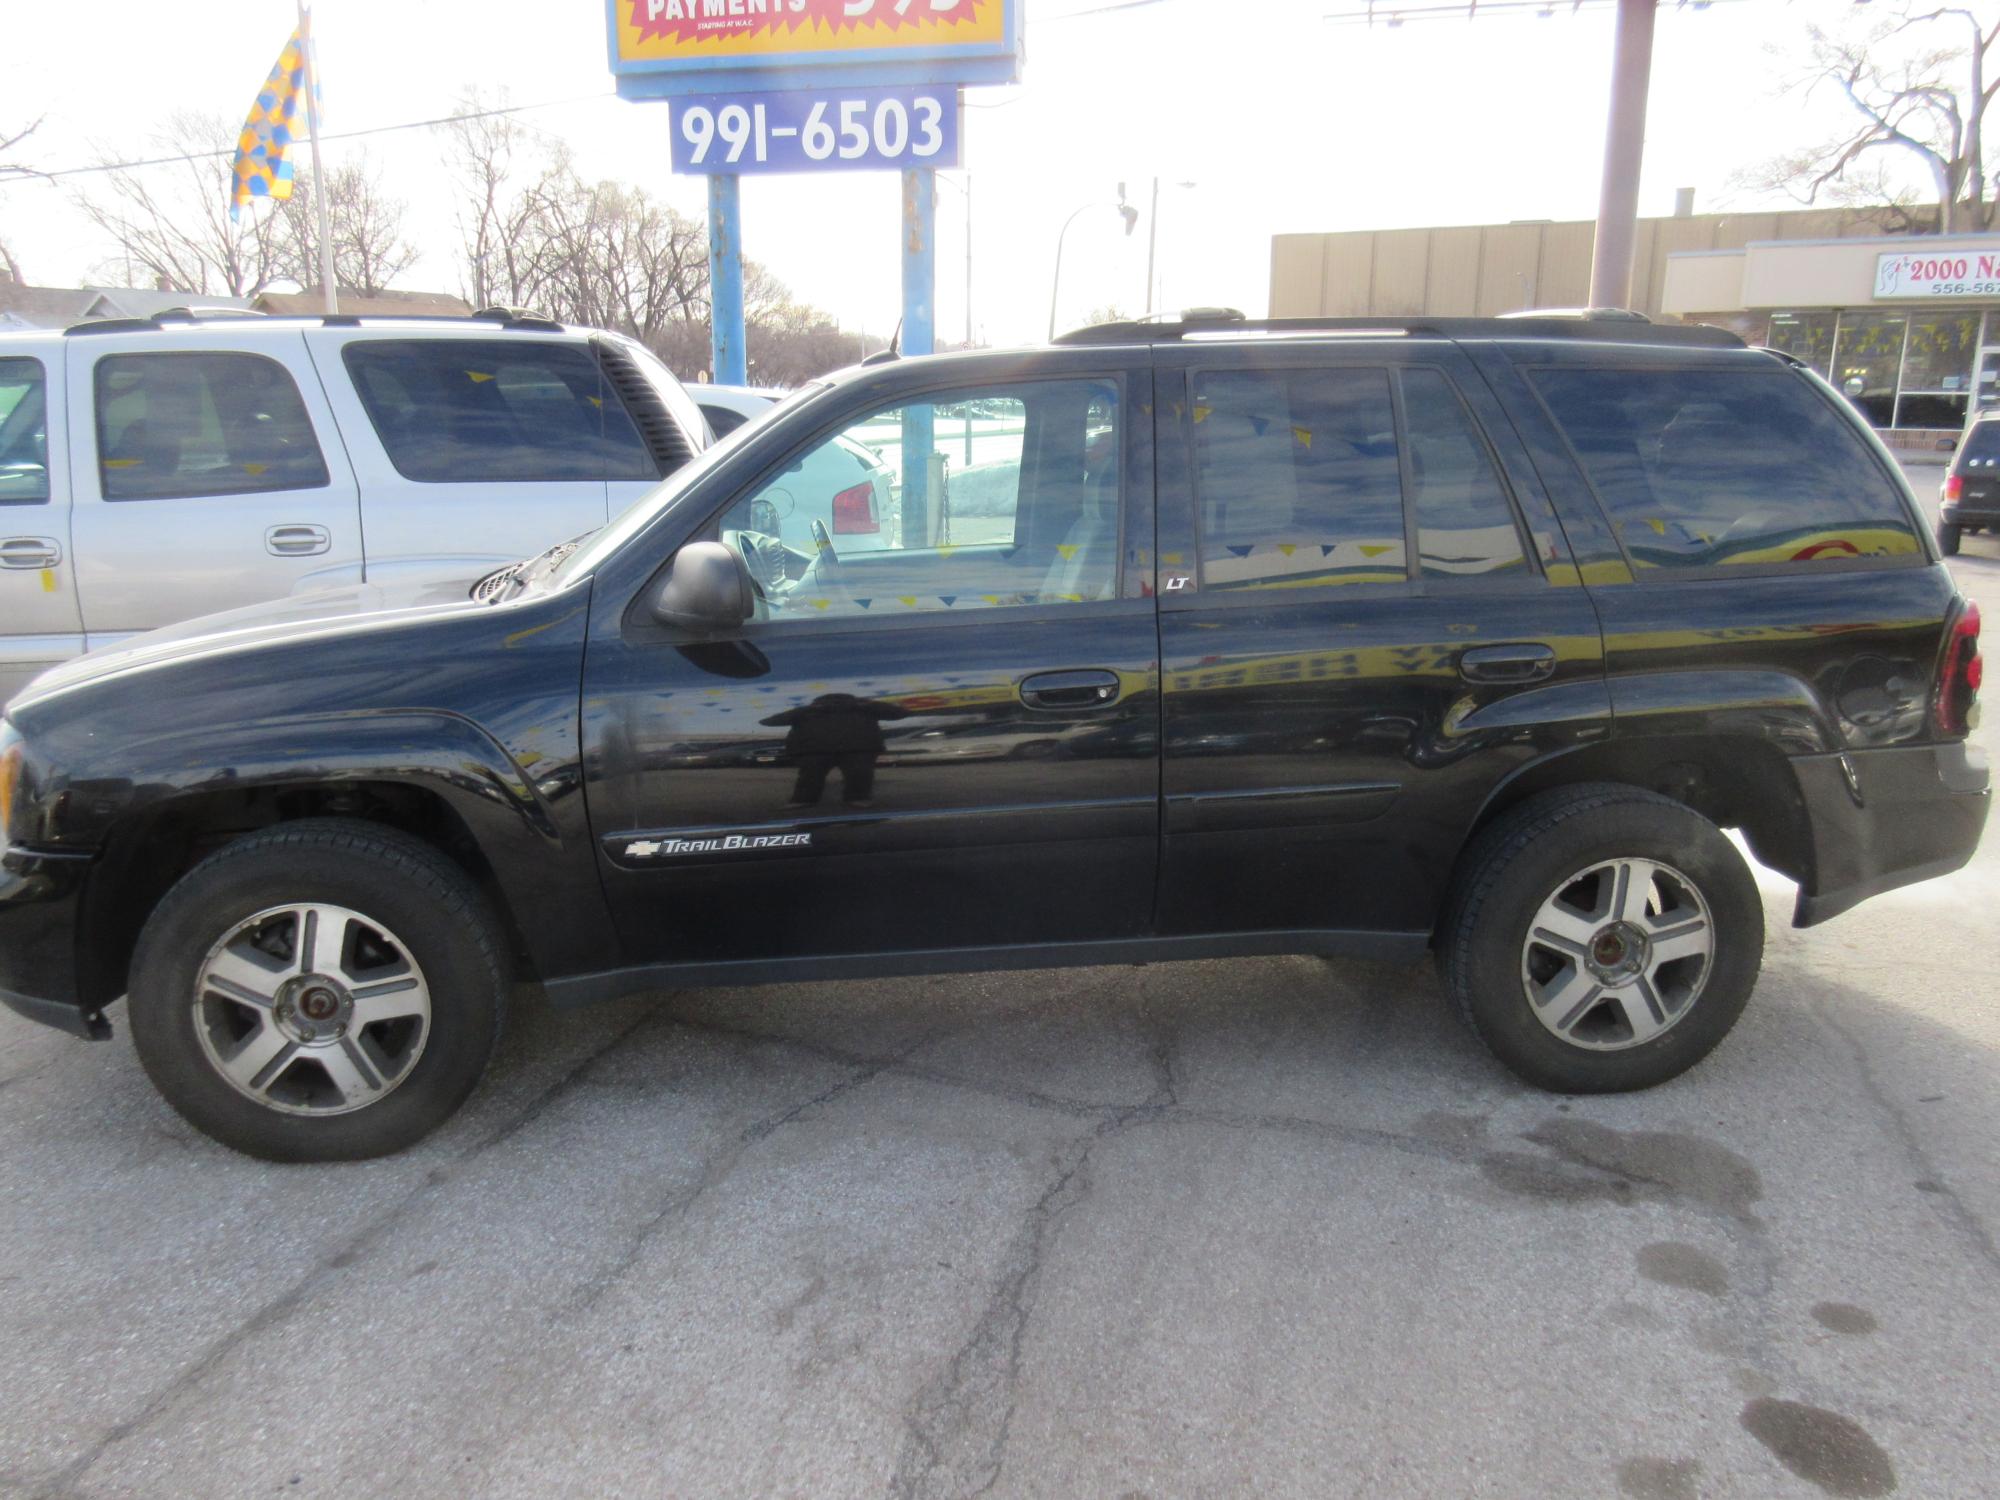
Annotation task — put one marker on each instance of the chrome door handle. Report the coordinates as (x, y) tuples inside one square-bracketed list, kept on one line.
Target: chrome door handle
[(297, 541), (30, 552), (1528, 661)]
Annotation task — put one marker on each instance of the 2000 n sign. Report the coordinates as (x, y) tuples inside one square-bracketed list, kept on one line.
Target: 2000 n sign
[(812, 130)]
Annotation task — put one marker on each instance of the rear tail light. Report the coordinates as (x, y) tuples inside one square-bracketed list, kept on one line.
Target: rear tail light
[(1956, 707), (854, 511), (1954, 486)]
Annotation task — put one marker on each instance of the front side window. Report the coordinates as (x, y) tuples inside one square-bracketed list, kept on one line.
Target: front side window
[(1712, 468), (24, 433), (184, 423), (495, 411), (979, 499), (1297, 479)]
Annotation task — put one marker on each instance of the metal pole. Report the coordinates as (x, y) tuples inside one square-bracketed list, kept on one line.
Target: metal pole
[(1152, 244), (919, 337), (329, 293), (1624, 147), (725, 280), (968, 260)]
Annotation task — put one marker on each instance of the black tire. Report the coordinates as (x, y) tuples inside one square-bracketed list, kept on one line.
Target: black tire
[(434, 910), (1947, 538), (1522, 859)]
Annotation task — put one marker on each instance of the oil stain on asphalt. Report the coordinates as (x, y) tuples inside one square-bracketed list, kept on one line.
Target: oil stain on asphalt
[(1821, 1447)]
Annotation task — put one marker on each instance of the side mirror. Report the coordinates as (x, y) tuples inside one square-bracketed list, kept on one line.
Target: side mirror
[(707, 588)]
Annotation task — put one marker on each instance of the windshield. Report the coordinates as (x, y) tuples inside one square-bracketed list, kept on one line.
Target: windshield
[(640, 513)]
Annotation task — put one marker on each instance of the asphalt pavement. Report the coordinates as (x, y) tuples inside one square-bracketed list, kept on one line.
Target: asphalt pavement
[(1268, 1227)]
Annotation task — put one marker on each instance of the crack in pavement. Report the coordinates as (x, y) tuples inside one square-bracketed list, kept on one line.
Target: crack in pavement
[(955, 1429), (293, 1298), (1951, 1207), (713, 1171)]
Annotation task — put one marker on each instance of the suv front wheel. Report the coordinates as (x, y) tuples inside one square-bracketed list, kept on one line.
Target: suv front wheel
[(1601, 938), (322, 991)]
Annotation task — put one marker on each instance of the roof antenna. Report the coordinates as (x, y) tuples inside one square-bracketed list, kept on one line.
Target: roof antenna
[(890, 354)]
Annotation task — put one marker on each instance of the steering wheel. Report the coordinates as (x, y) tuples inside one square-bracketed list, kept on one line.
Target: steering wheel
[(823, 545)]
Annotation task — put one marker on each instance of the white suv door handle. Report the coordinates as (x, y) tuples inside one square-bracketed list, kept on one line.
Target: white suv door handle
[(297, 541), (30, 552)]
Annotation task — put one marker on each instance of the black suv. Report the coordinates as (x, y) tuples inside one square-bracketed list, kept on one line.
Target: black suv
[(1175, 640), (1970, 501)]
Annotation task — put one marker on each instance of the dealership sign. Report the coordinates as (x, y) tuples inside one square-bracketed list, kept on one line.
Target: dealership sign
[(807, 130), (668, 47), (1906, 275)]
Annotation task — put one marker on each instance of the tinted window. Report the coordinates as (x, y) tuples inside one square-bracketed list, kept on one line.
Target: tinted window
[(1297, 479), (976, 500), (1465, 524), (485, 411), (721, 420), (24, 433), (1700, 468), (184, 424), (1982, 447)]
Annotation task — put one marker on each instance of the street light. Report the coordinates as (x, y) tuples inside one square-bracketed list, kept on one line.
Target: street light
[(1126, 210), (966, 188)]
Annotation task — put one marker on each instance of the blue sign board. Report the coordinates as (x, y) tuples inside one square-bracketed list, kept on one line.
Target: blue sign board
[(817, 130)]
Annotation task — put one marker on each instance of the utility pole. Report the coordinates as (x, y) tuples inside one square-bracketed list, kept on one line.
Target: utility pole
[(1152, 244), (1624, 149)]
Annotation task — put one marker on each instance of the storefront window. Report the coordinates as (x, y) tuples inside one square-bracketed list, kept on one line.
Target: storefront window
[(1867, 354), (1940, 358), (1805, 336)]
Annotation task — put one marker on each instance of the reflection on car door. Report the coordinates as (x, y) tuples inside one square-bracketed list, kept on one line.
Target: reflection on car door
[(39, 622), (206, 476), (952, 742), (1366, 624)]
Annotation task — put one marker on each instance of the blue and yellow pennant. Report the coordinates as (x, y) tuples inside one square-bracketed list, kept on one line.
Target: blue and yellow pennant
[(261, 170)]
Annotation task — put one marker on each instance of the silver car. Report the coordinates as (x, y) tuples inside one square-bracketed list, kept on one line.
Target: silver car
[(152, 471)]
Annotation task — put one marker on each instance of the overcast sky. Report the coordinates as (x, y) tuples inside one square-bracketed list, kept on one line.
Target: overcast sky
[(1282, 120)]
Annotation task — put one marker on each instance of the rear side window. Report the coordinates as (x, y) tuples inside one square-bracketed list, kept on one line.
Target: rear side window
[(495, 411), (183, 424), (24, 433), (1297, 478), (1465, 523), (1717, 468), (1981, 450), (721, 420)]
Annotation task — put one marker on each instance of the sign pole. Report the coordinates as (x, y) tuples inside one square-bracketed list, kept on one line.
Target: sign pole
[(329, 292), (727, 364), (923, 519)]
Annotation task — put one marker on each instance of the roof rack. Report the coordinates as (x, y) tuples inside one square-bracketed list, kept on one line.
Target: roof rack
[(506, 317), (1608, 324)]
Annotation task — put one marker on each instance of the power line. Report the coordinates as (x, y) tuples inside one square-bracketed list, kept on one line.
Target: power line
[(338, 135)]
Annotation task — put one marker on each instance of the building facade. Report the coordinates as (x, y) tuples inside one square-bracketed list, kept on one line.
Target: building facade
[(1908, 328), (1907, 325)]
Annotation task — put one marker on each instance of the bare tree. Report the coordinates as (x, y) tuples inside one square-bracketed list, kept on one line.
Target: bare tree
[(1918, 81), (534, 232), (366, 226), (171, 223), (14, 171)]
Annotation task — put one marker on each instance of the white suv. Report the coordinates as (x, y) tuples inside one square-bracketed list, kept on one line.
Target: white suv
[(155, 470)]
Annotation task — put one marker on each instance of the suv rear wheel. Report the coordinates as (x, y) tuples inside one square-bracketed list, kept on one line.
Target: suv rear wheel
[(324, 991), (1602, 938), (1947, 538)]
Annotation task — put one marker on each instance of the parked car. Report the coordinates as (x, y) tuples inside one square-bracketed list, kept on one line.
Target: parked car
[(1970, 499), (842, 487), (155, 470), (1469, 637)]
